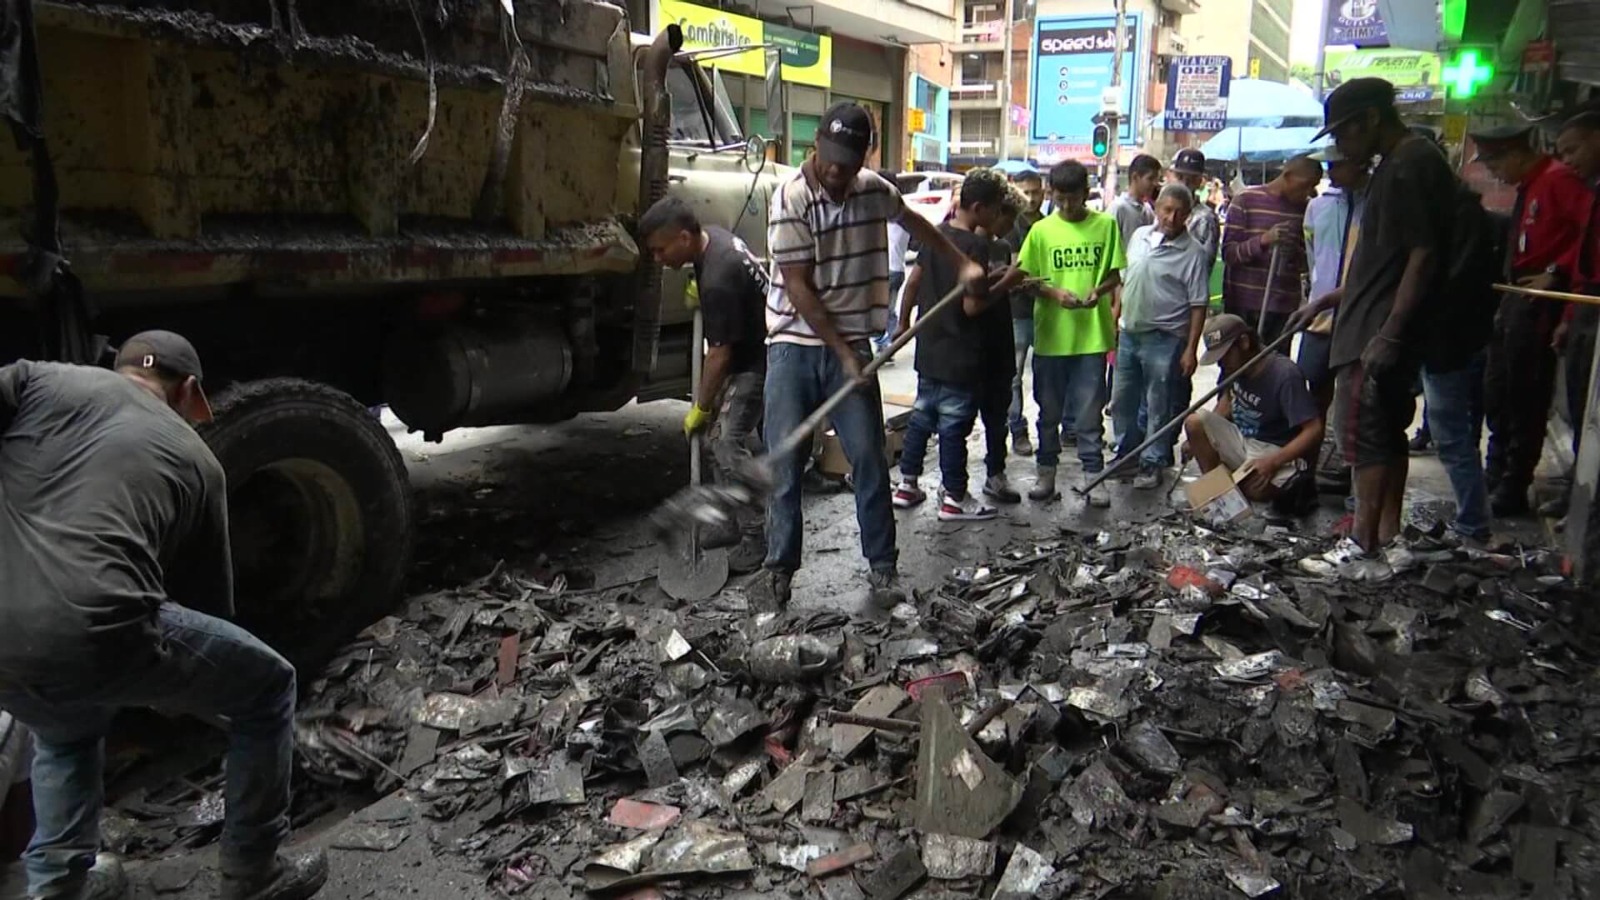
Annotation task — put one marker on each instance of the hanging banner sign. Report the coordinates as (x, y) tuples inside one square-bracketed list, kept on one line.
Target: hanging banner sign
[(807, 57), (1355, 22), (1197, 93)]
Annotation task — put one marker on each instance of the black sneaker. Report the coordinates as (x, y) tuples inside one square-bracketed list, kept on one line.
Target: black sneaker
[(1420, 442), (284, 878), (1509, 500)]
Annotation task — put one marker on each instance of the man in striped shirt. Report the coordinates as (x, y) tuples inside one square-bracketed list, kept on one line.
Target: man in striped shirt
[(1264, 221), (828, 234)]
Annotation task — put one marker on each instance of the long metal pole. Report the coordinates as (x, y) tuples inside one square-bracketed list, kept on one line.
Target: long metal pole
[(1005, 85), (1108, 175)]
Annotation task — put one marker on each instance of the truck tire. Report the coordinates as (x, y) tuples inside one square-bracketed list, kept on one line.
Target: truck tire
[(319, 509)]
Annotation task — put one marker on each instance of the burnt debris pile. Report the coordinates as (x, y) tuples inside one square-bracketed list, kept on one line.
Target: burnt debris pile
[(1168, 712)]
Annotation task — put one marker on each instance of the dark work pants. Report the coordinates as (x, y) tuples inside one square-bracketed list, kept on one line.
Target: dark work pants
[(1518, 386), (994, 407)]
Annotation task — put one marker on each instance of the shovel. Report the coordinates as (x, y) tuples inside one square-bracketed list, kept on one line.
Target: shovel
[(717, 505), (688, 572)]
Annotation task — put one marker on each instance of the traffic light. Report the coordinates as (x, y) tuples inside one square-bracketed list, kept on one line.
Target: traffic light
[(1466, 72), (1100, 144)]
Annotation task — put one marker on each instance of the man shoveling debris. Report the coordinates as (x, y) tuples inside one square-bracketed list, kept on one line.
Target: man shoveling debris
[(1267, 420), (114, 509)]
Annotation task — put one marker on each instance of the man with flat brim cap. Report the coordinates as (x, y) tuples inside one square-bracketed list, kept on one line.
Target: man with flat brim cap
[(118, 582), (1392, 290), (1547, 227)]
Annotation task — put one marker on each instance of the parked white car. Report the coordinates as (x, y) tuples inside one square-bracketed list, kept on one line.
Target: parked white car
[(931, 195)]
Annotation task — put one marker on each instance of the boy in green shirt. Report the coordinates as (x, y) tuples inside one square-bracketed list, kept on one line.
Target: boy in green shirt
[(1078, 253)]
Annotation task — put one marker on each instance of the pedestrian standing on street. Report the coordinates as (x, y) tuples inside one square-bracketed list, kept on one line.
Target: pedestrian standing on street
[(1164, 298), (1262, 221), (997, 327), (1189, 169), (1547, 226), (1266, 420), (899, 245), (115, 513), (950, 356), (732, 288), (830, 296), (1578, 145), (1078, 253), (1031, 184), (1399, 267), (1332, 225), (1134, 209)]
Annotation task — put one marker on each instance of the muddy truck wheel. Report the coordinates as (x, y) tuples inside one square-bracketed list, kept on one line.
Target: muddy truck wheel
[(319, 513)]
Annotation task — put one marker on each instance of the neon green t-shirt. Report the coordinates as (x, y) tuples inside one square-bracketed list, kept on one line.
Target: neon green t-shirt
[(1076, 257)]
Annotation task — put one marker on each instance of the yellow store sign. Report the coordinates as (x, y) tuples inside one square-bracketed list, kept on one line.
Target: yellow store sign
[(807, 57)]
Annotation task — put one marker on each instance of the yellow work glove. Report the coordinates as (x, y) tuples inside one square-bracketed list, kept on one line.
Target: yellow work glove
[(691, 295), (696, 420)]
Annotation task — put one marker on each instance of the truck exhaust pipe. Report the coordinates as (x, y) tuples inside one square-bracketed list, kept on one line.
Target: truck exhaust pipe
[(654, 160)]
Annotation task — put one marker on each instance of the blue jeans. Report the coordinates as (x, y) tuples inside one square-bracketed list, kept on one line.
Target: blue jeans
[(948, 410), (896, 279), (1147, 363), (1071, 386), (799, 378), (1022, 337), (210, 668), (1455, 419)]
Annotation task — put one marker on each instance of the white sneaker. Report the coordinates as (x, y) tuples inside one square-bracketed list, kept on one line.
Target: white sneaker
[(1099, 495), (965, 510), (1349, 561)]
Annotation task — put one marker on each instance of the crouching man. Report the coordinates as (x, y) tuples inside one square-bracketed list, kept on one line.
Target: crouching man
[(113, 512), (1267, 420)]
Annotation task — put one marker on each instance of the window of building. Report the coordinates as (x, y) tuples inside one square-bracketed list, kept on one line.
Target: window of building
[(981, 13), (981, 125)]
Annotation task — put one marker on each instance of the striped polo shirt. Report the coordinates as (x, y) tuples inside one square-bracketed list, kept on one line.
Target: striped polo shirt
[(847, 245), (1247, 258)]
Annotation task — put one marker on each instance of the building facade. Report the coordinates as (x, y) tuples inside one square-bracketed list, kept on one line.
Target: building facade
[(860, 53), (1253, 33)]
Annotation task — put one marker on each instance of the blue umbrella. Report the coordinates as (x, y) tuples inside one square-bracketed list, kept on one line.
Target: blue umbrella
[(1260, 144), (1015, 167)]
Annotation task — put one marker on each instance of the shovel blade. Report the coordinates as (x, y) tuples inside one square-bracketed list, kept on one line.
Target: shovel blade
[(690, 574)]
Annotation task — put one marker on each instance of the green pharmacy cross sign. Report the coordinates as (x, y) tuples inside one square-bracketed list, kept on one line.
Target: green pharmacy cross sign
[(1466, 73)]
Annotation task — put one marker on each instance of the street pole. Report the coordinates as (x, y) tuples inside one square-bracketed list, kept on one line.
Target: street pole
[(1005, 85), (1108, 170)]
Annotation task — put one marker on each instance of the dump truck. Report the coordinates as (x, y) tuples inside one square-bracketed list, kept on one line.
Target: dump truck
[(424, 204)]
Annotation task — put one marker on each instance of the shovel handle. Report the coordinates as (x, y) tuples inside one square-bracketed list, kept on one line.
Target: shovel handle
[(1567, 296), (696, 366), (802, 434)]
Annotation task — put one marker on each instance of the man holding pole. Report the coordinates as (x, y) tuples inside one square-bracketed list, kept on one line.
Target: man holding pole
[(1265, 225), (1397, 272)]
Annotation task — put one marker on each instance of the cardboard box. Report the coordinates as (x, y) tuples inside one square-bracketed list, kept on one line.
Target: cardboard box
[(829, 453), (1215, 496)]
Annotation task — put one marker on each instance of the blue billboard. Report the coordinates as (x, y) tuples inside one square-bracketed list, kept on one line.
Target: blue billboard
[(1072, 68)]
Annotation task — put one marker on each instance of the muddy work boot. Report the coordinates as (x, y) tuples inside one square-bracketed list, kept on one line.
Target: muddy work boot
[(105, 880), (282, 878), (769, 590), (884, 590), (1044, 485), (748, 556), (998, 489)]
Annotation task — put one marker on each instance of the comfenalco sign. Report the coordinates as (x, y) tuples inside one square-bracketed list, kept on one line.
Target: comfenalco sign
[(807, 57)]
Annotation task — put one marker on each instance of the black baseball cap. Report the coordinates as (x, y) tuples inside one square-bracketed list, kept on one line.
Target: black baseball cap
[(844, 135), (1351, 99), (1189, 162), (168, 352)]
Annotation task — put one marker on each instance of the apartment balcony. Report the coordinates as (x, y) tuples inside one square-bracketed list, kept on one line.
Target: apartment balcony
[(983, 37), (977, 95)]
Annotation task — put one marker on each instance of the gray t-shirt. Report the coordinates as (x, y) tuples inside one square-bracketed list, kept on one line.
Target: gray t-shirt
[(1131, 216), (109, 504), (1164, 280)]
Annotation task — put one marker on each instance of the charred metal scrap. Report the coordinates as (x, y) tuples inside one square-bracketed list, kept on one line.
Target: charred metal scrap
[(1169, 712)]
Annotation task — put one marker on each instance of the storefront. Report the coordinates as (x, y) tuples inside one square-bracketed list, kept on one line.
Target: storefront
[(928, 122), (818, 70)]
